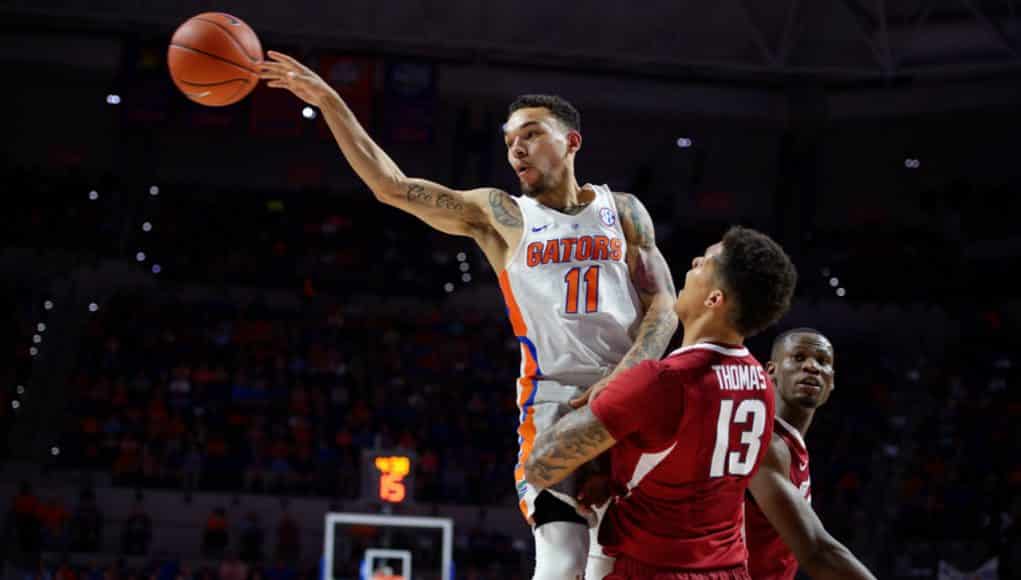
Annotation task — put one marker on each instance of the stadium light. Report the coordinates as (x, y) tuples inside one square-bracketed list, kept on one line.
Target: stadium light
[(93, 195), (140, 256), (309, 113), (146, 227), (683, 142), (93, 307), (448, 287), (466, 278), (154, 190), (113, 99), (834, 282)]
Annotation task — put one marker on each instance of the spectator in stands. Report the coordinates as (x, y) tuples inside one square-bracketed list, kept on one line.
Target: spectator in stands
[(22, 537), (87, 524), (232, 568), (54, 517), (252, 539), (281, 570), (215, 536), (137, 533)]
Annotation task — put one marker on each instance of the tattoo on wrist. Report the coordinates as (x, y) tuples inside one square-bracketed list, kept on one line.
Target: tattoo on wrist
[(504, 209)]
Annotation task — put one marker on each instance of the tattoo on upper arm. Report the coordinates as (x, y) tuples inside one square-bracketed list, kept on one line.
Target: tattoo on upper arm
[(423, 195), (447, 201), (504, 209), (641, 222)]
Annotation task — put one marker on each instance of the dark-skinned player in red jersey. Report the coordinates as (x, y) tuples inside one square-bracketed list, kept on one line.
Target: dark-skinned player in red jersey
[(687, 432), (781, 528)]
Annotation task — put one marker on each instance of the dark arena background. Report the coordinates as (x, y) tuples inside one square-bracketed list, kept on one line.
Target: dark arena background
[(214, 336)]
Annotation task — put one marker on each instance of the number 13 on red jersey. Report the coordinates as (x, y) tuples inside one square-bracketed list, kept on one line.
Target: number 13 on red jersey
[(750, 412)]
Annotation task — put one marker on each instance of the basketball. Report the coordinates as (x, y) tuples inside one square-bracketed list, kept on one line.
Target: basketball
[(214, 59)]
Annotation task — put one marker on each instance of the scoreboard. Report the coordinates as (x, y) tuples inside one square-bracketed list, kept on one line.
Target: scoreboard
[(388, 476)]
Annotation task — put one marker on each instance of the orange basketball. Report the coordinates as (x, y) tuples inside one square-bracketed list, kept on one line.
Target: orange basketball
[(214, 59)]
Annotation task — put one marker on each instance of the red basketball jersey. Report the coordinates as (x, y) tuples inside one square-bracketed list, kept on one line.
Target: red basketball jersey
[(768, 557), (690, 430)]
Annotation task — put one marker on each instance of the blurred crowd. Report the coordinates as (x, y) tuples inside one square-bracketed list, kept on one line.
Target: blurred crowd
[(217, 397)]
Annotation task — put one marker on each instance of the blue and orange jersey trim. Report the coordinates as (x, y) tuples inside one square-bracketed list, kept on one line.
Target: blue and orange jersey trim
[(527, 382)]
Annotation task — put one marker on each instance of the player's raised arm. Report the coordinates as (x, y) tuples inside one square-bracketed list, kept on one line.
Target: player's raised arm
[(819, 553), (469, 213), (654, 284)]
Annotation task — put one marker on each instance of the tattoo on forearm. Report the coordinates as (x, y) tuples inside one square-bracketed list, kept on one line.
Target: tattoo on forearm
[(572, 441), (653, 337), (544, 470), (504, 209)]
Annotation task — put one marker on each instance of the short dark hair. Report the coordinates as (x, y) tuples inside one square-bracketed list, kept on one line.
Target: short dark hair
[(559, 106), (778, 341), (756, 271)]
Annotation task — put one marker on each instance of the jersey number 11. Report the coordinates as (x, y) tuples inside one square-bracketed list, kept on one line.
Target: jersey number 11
[(572, 303)]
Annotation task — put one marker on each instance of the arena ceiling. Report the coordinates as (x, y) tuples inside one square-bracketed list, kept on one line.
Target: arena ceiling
[(838, 40), (970, 48)]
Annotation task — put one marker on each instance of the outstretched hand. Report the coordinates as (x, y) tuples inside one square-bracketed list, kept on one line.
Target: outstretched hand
[(285, 72)]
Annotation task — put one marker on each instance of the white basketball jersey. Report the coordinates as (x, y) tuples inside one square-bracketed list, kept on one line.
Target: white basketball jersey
[(569, 293)]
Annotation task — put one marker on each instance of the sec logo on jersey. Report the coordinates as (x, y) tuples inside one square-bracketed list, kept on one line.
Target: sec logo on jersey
[(609, 218)]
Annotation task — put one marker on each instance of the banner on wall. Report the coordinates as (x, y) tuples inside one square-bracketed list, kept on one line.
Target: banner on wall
[(409, 100)]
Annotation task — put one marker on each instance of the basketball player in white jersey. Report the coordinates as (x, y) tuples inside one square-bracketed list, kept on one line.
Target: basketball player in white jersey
[(588, 293)]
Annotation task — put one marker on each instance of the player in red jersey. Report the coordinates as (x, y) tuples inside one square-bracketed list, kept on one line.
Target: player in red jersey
[(687, 432), (780, 521)]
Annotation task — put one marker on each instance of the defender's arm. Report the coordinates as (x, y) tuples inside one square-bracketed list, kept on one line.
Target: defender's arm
[(819, 553)]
